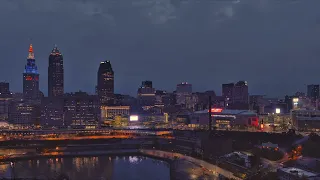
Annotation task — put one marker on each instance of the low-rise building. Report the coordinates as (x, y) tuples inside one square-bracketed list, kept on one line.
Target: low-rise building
[(225, 118), (292, 173), (306, 120)]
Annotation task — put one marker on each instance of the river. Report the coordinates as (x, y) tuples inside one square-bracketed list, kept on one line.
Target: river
[(89, 168)]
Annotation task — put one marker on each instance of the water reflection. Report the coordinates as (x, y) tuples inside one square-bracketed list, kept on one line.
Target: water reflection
[(83, 168)]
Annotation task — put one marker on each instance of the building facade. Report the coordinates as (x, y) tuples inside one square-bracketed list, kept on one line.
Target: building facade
[(5, 99), (31, 90), (55, 74), (306, 120), (105, 83), (313, 91), (146, 95), (24, 114), (225, 118), (74, 110), (110, 112), (184, 94)]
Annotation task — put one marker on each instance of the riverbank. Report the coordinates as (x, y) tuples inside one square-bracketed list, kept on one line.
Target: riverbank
[(181, 166)]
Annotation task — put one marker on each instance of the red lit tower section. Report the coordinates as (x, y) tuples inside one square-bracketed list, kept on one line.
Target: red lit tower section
[(31, 78)]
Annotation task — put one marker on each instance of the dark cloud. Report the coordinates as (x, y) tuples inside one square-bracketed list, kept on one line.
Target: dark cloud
[(272, 44)]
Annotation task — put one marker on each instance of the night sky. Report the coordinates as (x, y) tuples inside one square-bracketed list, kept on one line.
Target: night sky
[(273, 44)]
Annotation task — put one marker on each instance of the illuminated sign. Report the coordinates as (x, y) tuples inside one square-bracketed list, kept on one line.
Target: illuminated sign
[(278, 110), (295, 100), (134, 118), (216, 110)]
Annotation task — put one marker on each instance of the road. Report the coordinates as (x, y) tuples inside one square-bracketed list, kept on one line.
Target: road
[(206, 167)]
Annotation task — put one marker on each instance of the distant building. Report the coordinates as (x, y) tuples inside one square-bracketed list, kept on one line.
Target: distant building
[(55, 74), (292, 173), (31, 90), (53, 112), (240, 92), (227, 90), (146, 95), (4, 89), (105, 83), (77, 110), (306, 120), (110, 112), (225, 118), (24, 113), (184, 95), (313, 91), (236, 95), (5, 99)]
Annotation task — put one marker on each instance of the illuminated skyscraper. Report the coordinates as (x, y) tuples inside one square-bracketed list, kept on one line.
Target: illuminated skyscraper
[(31, 78), (105, 84), (55, 74)]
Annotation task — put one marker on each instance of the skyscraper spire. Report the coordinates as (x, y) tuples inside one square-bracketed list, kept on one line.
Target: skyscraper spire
[(55, 50), (31, 54), (31, 48)]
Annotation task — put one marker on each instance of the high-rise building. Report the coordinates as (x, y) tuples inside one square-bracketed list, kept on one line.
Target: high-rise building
[(105, 84), (313, 91), (227, 90), (5, 99), (146, 95), (55, 74), (31, 78), (241, 92), (4, 88), (184, 93), (236, 95)]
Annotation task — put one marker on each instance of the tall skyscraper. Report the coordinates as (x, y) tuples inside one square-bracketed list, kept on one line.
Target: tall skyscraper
[(31, 78), (313, 91), (55, 74), (105, 84)]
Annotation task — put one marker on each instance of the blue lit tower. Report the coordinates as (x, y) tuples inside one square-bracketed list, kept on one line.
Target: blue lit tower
[(31, 78)]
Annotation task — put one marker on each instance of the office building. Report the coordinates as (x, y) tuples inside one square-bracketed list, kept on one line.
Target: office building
[(31, 91), (52, 112), (146, 95), (24, 114), (110, 112), (184, 94), (55, 74), (5, 99), (105, 83), (236, 95), (313, 91), (75, 110)]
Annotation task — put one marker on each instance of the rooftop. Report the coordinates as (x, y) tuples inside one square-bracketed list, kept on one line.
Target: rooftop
[(299, 172), (229, 112)]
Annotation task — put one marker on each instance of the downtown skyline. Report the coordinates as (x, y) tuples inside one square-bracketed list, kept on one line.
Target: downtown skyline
[(263, 42)]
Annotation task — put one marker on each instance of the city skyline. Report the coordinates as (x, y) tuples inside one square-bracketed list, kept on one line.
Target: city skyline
[(252, 40)]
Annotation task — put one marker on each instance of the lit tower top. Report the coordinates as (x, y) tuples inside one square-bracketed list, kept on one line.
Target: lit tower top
[(31, 54), (55, 51), (31, 67)]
